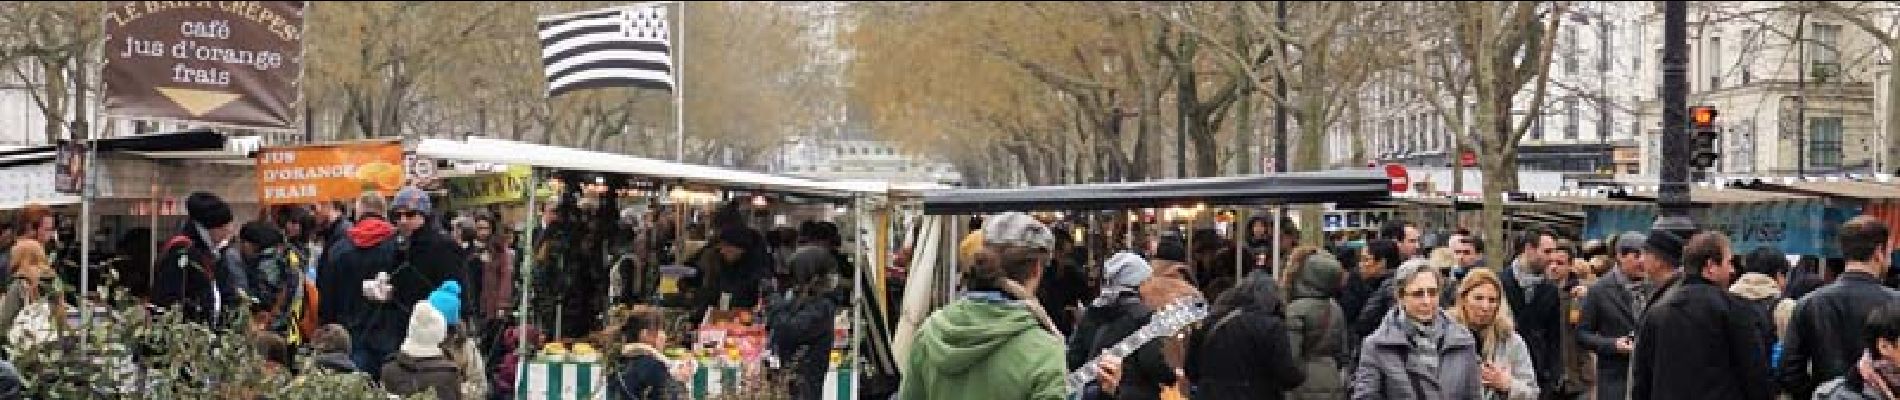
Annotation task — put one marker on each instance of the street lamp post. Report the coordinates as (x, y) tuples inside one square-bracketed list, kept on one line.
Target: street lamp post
[(1672, 201)]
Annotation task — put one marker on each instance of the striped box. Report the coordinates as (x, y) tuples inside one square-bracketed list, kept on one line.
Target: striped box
[(564, 380)]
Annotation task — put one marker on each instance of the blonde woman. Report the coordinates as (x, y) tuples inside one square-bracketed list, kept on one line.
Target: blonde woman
[(1505, 367), (31, 311)]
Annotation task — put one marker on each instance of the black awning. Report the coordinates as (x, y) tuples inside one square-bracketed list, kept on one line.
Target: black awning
[(191, 140), (1288, 188)]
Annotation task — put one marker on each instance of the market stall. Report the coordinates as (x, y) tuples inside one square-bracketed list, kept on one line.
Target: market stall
[(725, 342), (933, 278)]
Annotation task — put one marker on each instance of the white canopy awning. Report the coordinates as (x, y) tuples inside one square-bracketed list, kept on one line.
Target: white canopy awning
[(543, 156)]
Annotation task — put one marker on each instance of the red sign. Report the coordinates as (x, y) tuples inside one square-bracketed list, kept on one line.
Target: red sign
[(1468, 158), (1400, 181)]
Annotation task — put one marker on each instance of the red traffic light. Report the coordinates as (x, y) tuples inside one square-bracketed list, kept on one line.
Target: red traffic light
[(1702, 116)]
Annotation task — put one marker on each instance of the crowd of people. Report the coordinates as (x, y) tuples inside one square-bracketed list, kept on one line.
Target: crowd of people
[(412, 298), (1639, 315)]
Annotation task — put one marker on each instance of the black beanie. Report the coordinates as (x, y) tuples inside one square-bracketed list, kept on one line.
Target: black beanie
[(262, 234), (740, 237), (1170, 250), (207, 210), (1665, 244)]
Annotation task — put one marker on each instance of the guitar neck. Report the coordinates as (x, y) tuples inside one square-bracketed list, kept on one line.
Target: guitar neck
[(1167, 322)]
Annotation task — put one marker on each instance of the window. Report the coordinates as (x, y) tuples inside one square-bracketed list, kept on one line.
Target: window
[(1603, 47), (1573, 119), (1715, 63), (1570, 53), (1824, 142), (1824, 55)]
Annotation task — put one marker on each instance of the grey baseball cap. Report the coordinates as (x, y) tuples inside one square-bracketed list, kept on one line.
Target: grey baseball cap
[(1017, 229), (1630, 241)]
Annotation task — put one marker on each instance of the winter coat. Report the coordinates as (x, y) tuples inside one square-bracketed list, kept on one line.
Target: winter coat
[(185, 276), (1516, 356), (1763, 296), (1699, 342), (1243, 355), (335, 362), (426, 259), (406, 375), (645, 377), (1824, 334), (1316, 330), (234, 279), (1145, 371), (801, 333), (1372, 312), (1540, 321), (1385, 370), (1848, 387), (510, 362), (497, 288), (368, 249), (984, 349), (1608, 314)]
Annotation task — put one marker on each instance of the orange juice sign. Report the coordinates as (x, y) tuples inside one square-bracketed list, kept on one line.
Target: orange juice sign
[(302, 175)]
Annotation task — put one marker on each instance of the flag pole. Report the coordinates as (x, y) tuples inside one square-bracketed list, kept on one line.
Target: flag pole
[(679, 85)]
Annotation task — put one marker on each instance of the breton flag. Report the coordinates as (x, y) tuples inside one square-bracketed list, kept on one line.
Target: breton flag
[(627, 46)]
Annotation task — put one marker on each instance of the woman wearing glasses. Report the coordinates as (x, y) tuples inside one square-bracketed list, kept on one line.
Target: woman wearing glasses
[(1418, 352), (1506, 371)]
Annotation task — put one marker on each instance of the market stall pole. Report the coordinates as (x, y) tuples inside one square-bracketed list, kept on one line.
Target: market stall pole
[(85, 253), (527, 262)]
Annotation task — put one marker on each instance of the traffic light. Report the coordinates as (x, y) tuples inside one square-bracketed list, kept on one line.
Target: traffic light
[(1704, 132)]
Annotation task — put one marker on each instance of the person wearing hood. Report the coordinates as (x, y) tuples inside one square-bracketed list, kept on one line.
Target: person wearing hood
[(995, 341), (1315, 323), (1876, 376), (646, 373), (421, 365), (1418, 352), (800, 321), (354, 265), (187, 268), (1113, 315), (1244, 353), (1821, 342), (1607, 324), (1763, 273), (1697, 341)]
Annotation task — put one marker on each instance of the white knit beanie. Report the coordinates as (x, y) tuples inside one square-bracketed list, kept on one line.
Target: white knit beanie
[(427, 330)]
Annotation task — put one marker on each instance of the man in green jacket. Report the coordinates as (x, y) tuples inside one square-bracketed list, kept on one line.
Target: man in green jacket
[(995, 342)]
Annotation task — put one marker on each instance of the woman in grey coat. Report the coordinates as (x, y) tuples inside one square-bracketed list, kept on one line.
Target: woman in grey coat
[(1506, 371), (1315, 323), (1417, 352)]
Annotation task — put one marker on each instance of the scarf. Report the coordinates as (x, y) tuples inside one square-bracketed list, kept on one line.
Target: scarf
[(1424, 337), (1878, 374)]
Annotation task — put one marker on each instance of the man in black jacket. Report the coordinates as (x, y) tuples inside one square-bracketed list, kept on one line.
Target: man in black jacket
[(186, 271), (376, 327), (1698, 341), (426, 256), (1823, 339), (1536, 302), (1608, 321)]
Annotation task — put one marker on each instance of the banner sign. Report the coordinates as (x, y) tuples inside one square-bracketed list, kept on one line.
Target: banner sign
[(310, 174), (1354, 219), (489, 189), (69, 166), (228, 62)]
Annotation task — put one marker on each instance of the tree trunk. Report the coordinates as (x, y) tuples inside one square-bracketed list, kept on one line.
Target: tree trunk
[(1497, 254)]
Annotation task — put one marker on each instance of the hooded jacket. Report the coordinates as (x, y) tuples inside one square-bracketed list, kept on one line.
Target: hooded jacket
[(367, 250), (984, 349), (1316, 326), (1763, 295), (408, 375), (1243, 354)]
